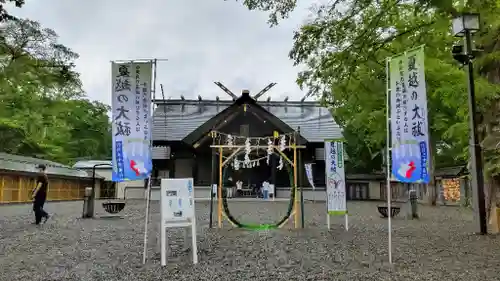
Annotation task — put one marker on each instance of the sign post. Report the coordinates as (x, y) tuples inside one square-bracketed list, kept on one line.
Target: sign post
[(335, 181), (177, 210)]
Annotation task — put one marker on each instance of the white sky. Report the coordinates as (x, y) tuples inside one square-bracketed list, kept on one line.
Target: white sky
[(204, 41)]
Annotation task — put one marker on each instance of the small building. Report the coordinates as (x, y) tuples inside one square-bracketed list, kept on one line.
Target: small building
[(108, 188), (181, 141), (453, 185), (18, 176)]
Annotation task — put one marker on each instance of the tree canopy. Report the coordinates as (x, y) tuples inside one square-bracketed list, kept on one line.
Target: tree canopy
[(4, 15), (345, 47), (44, 112)]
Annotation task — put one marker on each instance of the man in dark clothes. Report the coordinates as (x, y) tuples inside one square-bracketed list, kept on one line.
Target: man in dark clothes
[(40, 195)]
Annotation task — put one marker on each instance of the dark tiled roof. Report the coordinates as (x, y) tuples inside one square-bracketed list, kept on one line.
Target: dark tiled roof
[(373, 177), (451, 171), (89, 164), (28, 164), (182, 117)]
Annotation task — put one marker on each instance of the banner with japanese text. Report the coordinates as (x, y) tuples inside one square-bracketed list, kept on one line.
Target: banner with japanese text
[(335, 178), (309, 173), (131, 120), (409, 123)]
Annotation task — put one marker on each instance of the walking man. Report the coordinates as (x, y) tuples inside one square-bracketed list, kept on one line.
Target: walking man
[(40, 195)]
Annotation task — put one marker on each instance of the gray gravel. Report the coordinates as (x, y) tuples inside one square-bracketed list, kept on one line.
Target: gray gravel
[(440, 246)]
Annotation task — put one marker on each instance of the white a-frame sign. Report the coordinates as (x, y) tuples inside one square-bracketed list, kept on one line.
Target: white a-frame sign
[(177, 210)]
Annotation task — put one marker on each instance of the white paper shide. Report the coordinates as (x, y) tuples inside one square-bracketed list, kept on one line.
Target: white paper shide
[(309, 173)]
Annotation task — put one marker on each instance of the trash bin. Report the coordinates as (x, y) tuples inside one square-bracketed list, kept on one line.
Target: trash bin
[(88, 204)]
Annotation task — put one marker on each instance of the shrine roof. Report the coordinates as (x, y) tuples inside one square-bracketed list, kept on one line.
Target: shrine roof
[(174, 119)]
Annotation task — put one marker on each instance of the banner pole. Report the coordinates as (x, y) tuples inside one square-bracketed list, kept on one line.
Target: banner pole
[(148, 189), (146, 223), (346, 221), (388, 161)]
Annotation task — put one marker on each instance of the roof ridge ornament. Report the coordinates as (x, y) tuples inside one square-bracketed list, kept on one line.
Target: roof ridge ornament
[(263, 91), (244, 92), (226, 90)]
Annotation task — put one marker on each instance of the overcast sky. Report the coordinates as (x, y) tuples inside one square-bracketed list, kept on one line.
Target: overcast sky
[(203, 40)]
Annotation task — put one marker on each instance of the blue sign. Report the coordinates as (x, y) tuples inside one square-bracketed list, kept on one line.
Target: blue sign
[(408, 168)]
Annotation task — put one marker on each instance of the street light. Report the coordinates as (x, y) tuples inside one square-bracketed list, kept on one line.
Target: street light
[(465, 22), (464, 26)]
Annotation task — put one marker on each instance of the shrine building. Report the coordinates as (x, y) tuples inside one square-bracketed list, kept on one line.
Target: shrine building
[(181, 138)]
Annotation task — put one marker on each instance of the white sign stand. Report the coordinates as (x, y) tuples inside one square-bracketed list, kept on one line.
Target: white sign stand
[(177, 210), (346, 223)]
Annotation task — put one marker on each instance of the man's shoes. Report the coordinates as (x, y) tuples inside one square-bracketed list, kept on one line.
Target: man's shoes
[(46, 218)]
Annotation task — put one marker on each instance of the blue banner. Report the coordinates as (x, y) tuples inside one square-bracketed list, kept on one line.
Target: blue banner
[(131, 121), (409, 122)]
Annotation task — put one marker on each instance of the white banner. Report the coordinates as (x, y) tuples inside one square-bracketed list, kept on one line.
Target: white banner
[(309, 173), (335, 178), (131, 120), (409, 123)]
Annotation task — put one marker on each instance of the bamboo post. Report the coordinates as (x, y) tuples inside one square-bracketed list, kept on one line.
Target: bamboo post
[(212, 182), (296, 202), (219, 190), (301, 183)]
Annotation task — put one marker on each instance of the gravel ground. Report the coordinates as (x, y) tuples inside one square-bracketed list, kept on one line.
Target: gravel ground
[(439, 246)]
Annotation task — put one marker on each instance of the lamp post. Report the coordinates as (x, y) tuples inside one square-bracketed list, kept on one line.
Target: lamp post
[(464, 26)]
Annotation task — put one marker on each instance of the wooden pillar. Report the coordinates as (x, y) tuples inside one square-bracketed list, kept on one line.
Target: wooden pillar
[(213, 181), (297, 195), (172, 168), (301, 184), (463, 193), (194, 169)]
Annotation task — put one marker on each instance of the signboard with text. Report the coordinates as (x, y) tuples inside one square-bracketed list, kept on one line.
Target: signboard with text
[(335, 178), (131, 120), (177, 210), (409, 123), (177, 201)]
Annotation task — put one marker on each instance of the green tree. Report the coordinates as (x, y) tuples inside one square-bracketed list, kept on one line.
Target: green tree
[(3, 12), (344, 48), (44, 112), (281, 9)]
